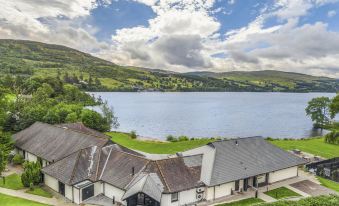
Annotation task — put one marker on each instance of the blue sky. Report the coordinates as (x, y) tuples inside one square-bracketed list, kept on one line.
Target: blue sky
[(187, 35)]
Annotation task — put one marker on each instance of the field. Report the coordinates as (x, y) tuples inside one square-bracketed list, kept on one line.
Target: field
[(245, 202), (7, 200), (315, 146), (13, 182), (155, 147), (281, 193), (329, 184)]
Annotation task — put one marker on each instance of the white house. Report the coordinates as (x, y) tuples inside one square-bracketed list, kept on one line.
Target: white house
[(85, 166)]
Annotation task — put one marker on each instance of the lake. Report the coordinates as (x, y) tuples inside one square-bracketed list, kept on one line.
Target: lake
[(213, 114)]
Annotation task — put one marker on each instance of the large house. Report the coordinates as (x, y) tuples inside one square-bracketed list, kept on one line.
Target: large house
[(85, 166)]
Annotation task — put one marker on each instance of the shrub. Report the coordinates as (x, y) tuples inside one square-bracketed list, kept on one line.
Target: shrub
[(18, 159), (170, 138), (332, 137), (133, 134), (183, 138), (31, 175)]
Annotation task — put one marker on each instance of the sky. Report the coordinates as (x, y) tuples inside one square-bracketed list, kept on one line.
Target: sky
[(187, 35)]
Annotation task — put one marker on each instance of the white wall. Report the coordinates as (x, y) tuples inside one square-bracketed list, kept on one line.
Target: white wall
[(207, 161), (185, 197), (283, 174), (51, 182), (31, 157), (68, 192), (110, 191), (98, 188), (77, 197), (220, 191)]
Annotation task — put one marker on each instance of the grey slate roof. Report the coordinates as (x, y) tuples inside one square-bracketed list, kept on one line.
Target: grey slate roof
[(149, 184), (241, 158), (52, 142)]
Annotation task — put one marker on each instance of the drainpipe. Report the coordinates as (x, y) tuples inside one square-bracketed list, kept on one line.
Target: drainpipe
[(214, 193)]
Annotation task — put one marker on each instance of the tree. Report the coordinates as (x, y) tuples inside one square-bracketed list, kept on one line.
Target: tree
[(108, 114), (94, 120), (334, 106), (318, 110), (32, 174)]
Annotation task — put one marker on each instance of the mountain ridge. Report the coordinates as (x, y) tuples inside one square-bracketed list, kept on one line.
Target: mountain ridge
[(91, 73)]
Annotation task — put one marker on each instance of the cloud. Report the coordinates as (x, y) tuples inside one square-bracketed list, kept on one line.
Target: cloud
[(331, 13), (53, 21), (185, 35)]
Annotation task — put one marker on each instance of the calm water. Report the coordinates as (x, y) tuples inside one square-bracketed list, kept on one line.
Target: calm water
[(277, 115)]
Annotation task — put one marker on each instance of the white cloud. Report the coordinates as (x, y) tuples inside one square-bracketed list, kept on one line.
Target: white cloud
[(331, 13)]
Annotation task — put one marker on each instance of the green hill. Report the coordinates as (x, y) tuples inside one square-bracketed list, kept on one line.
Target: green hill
[(35, 59)]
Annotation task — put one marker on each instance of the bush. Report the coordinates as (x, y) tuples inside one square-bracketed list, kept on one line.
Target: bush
[(31, 175), (171, 138), (133, 134), (18, 159), (183, 138), (332, 137)]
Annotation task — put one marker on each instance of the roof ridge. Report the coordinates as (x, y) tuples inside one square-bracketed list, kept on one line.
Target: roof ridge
[(76, 162), (162, 175), (81, 132), (130, 153)]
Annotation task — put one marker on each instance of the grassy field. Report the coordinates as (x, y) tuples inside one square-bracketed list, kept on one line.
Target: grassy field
[(6, 200), (329, 184), (39, 191), (155, 147), (13, 182), (245, 202), (315, 146), (281, 192)]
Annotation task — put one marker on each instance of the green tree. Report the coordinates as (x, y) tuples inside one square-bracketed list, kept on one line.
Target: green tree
[(94, 120), (31, 174), (318, 110)]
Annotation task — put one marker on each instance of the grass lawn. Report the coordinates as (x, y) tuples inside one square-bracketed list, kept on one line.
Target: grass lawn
[(6, 200), (245, 202), (13, 182), (315, 146), (281, 192), (155, 147), (39, 191), (329, 184)]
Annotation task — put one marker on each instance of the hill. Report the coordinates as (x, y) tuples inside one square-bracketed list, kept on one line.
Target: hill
[(35, 59)]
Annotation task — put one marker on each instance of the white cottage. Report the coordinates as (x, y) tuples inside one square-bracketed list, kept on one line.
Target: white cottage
[(86, 167)]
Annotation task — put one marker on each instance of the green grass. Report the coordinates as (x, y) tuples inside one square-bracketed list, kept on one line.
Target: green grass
[(155, 147), (39, 191), (245, 202), (315, 146), (281, 192), (6, 200), (329, 184), (13, 182)]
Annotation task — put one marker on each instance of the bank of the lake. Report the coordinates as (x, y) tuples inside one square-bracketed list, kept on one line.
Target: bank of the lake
[(214, 114), (316, 146)]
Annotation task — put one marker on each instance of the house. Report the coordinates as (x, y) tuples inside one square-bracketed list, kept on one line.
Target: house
[(85, 166)]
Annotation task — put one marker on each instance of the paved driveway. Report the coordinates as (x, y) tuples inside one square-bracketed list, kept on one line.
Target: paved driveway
[(312, 188)]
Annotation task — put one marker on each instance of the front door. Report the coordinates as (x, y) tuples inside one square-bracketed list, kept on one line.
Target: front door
[(62, 188), (87, 192), (236, 185), (245, 184)]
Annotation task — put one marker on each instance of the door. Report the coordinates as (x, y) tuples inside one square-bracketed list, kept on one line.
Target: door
[(236, 185), (255, 182), (62, 188), (245, 184), (87, 192)]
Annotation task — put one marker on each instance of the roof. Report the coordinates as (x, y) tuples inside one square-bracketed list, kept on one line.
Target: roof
[(245, 157), (78, 166), (52, 142), (149, 184), (178, 175), (80, 127)]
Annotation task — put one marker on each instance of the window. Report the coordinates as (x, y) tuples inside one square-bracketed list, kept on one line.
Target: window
[(174, 197)]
